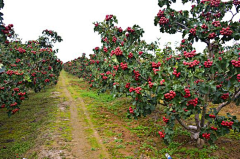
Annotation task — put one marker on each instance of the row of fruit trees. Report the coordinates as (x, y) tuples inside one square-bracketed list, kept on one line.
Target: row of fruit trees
[(188, 85), (25, 66)]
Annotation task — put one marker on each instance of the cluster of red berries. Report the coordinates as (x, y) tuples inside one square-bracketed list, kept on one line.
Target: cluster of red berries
[(216, 24), (160, 13), (236, 63), (137, 74), (199, 80), (47, 80), (236, 2), (131, 110), (114, 39), (170, 95), (163, 21), (7, 29), (16, 89), (193, 31), (108, 17), (131, 89), (105, 49), (138, 89), (124, 66), (155, 70), (15, 110), (21, 50), (177, 74), (189, 54), (165, 120), (212, 35), (206, 135), (130, 55), (204, 26), (193, 102), (150, 84), (104, 77), (140, 53), (2, 88), (215, 3), (14, 104), (218, 86), (226, 31), (156, 65), (208, 63), (227, 124), (213, 128), (162, 134), (238, 77), (115, 67), (191, 64), (18, 60), (187, 93), (130, 30), (225, 96), (127, 85), (162, 81), (10, 72), (212, 116), (117, 52), (120, 29)]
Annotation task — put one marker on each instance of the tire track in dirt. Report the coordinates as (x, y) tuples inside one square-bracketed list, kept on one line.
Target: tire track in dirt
[(81, 147)]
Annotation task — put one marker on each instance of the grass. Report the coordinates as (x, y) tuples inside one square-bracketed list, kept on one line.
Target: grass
[(18, 133)]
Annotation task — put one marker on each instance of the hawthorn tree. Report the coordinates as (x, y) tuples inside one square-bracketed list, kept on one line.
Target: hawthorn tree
[(25, 66), (200, 85)]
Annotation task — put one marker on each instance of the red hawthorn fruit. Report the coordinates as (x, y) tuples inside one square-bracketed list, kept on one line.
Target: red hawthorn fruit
[(138, 89), (13, 104), (213, 128), (130, 55), (165, 120), (187, 93), (155, 70), (212, 116), (131, 89), (162, 134), (206, 136), (238, 77), (15, 110), (227, 124), (150, 84), (225, 96), (193, 31), (16, 89), (189, 54), (140, 52), (162, 81), (163, 21), (208, 63), (170, 95), (131, 110), (124, 66), (127, 85)]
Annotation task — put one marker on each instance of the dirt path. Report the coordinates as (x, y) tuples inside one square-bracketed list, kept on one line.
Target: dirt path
[(81, 147)]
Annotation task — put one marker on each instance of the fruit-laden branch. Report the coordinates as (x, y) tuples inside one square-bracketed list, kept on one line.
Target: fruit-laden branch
[(236, 95)]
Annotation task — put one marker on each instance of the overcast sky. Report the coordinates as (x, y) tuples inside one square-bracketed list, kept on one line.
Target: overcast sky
[(73, 19)]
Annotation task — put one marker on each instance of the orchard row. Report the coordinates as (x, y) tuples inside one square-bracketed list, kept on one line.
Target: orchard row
[(186, 84), (25, 66)]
